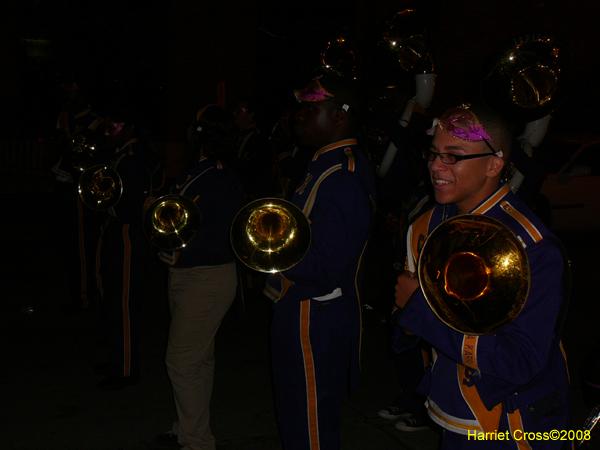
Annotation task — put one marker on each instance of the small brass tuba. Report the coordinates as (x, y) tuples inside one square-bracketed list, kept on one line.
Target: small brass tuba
[(171, 222), (474, 274), (100, 187), (270, 235)]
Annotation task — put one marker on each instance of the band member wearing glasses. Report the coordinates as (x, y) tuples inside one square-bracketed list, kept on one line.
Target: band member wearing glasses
[(491, 390), (316, 324)]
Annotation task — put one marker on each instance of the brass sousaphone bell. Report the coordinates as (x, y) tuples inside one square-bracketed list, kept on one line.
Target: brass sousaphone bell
[(339, 57), (171, 222), (402, 48), (100, 187), (270, 235), (474, 273), (528, 77)]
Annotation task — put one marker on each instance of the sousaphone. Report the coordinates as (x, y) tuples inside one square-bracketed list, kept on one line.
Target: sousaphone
[(528, 77), (474, 273), (402, 48), (339, 57), (270, 235)]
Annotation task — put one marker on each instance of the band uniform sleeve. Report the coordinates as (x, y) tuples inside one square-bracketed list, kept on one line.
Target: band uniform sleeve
[(340, 221)]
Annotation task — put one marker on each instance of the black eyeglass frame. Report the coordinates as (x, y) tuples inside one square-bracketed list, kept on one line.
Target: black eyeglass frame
[(427, 155)]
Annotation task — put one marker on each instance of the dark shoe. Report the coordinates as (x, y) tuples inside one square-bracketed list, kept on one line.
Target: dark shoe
[(393, 413), (167, 440), (411, 423), (103, 368), (112, 383)]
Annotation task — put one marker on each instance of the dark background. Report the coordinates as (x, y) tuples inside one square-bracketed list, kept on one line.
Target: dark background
[(170, 56)]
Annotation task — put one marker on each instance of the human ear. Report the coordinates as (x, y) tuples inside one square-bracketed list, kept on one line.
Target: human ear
[(495, 166), (339, 116)]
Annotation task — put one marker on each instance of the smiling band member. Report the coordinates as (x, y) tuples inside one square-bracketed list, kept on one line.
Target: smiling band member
[(317, 324), (513, 380)]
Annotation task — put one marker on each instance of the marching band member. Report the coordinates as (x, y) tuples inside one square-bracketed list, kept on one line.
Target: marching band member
[(77, 225), (490, 390), (316, 329), (123, 252), (202, 278)]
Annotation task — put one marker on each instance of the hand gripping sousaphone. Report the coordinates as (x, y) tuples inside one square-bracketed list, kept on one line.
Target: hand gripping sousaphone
[(171, 222), (474, 273), (270, 235)]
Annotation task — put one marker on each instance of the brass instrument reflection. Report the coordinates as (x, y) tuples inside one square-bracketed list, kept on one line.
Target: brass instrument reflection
[(171, 222), (474, 274), (100, 187), (270, 235)]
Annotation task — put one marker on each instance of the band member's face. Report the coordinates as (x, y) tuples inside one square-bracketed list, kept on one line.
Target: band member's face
[(116, 134), (242, 116), (113, 128), (313, 124), (463, 183)]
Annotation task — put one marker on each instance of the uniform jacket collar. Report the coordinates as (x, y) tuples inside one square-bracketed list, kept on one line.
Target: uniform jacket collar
[(328, 148)]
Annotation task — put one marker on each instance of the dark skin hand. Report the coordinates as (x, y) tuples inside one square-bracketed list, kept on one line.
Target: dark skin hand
[(407, 284)]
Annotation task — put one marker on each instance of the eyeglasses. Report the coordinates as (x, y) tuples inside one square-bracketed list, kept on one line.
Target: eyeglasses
[(451, 158)]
